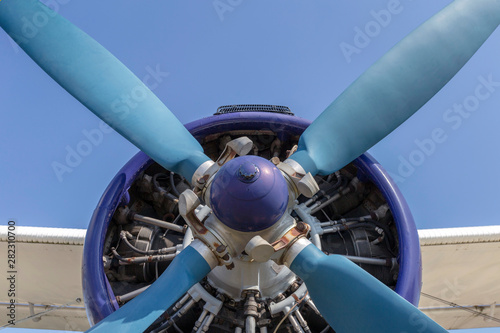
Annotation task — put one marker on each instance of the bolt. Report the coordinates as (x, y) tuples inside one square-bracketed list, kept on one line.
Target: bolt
[(220, 248), (301, 226)]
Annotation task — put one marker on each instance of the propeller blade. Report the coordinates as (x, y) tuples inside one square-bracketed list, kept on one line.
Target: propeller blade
[(187, 269), (397, 85), (351, 300), (102, 83)]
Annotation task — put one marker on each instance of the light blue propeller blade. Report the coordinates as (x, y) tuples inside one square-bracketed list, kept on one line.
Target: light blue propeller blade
[(351, 300), (102, 83), (187, 269), (397, 85)]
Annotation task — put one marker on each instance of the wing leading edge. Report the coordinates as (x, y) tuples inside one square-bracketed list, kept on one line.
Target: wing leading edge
[(47, 278), (460, 276)]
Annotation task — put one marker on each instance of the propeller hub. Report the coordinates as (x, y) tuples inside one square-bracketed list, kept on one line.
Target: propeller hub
[(248, 172), (249, 194)]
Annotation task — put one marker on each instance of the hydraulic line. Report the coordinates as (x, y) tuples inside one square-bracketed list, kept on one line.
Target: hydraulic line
[(302, 321), (372, 261), (200, 320), (172, 184), (345, 220), (127, 297), (124, 235), (163, 191), (318, 206), (158, 223), (292, 302), (297, 303), (352, 187), (142, 260), (349, 225), (311, 304), (321, 193), (175, 316), (186, 307), (295, 324), (206, 323), (181, 302), (367, 224)]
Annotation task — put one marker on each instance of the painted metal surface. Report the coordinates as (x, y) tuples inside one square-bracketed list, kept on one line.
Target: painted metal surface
[(445, 253), (463, 235), (409, 258), (249, 194), (24, 234), (461, 266), (48, 263), (186, 269), (351, 300), (100, 298)]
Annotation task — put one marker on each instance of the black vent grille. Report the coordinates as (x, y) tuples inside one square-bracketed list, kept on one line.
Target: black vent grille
[(225, 109)]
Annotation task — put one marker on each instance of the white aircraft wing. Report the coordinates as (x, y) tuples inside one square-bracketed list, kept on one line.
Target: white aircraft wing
[(461, 267), (47, 286), (461, 272)]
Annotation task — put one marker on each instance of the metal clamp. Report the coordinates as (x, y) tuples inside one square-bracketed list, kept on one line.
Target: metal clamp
[(240, 146), (299, 181), (261, 251), (188, 202)]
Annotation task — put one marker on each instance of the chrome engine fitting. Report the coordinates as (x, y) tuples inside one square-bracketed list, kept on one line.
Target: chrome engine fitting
[(347, 216)]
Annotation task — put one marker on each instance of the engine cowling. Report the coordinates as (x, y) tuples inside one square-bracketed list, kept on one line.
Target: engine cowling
[(359, 212)]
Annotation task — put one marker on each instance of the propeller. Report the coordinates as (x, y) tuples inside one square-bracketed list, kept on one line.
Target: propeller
[(102, 83), (380, 100), (188, 268), (112, 92), (351, 300), (397, 85)]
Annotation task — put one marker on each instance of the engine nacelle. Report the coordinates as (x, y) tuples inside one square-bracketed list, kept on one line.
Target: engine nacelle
[(136, 230)]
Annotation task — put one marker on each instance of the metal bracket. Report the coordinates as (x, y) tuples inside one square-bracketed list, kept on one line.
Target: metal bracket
[(240, 146), (287, 240), (303, 183), (188, 202), (261, 251)]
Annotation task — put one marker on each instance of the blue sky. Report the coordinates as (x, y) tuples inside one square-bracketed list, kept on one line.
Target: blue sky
[(284, 52)]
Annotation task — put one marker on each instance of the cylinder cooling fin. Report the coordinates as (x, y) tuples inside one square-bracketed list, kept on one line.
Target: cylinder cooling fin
[(350, 216)]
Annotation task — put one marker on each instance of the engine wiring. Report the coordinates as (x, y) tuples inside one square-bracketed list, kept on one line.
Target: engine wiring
[(289, 312), (348, 214)]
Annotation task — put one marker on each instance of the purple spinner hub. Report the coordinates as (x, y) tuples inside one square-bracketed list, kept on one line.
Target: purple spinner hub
[(249, 194)]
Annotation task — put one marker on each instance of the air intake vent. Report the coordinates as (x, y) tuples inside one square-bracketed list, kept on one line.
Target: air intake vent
[(253, 108)]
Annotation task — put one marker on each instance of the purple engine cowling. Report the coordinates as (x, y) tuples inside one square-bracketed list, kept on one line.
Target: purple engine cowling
[(99, 298)]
